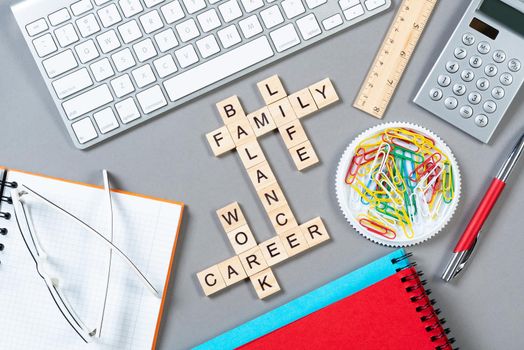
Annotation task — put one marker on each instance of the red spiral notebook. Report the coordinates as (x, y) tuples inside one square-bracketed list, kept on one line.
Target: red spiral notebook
[(384, 305)]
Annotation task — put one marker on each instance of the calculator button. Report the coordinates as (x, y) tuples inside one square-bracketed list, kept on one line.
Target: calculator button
[(490, 106), (499, 56), (460, 53), (435, 94), (444, 80), (483, 84), (506, 79), (452, 67), (468, 39), (451, 103), (466, 112), (475, 61), (474, 98), (459, 89), (483, 47), (467, 75), (514, 65), (498, 92), (491, 70), (481, 120)]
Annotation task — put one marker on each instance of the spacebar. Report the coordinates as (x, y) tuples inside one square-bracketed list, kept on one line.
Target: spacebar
[(218, 68)]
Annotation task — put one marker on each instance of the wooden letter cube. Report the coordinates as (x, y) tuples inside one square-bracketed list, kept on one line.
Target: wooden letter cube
[(315, 232), (211, 280), (273, 251), (303, 103), (323, 93), (261, 121), (232, 270), (282, 219), (241, 239), (253, 261), (241, 131), (294, 241), (220, 141), (272, 197), (271, 89), (261, 175), (304, 155), (265, 283), (293, 134), (231, 217), (251, 154), (282, 112), (230, 110)]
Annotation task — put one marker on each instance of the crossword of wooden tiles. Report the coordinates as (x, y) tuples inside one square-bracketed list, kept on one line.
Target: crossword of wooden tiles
[(240, 132)]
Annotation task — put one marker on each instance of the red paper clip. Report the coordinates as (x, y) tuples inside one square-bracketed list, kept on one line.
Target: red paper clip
[(377, 228)]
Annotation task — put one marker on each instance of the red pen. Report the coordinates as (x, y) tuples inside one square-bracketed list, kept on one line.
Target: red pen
[(468, 240)]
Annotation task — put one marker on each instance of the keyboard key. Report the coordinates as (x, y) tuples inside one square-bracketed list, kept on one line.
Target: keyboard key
[(498, 92), (252, 5), (60, 63), (109, 15), (482, 84), (271, 17), (285, 37), (315, 3), (229, 36), (59, 17), (468, 39), (373, 4), (88, 25), (165, 66), (230, 10), (444, 80), (108, 41), (514, 65), (250, 26), (483, 47), (172, 12), (36, 27), (84, 130), (332, 22), (491, 70), (435, 94), (151, 21), (72, 83), (186, 56), (144, 50), (127, 110), (193, 6), (187, 30), (346, 4), (208, 20), (475, 61), (44, 45), (481, 120), (166, 40), (66, 35), (123, 60), (151, 99), (208, 46), (87, 51), (460, 53), (451, 103), (467, 75), (101, 2), (218, 68), (506, 79), (474, 98), (459, 89), (130, 31), (81, 7), (122, 85), (293, 8), (499, 56), (102, 69), (88, 101), (489, 106), (466, 112), (151, 3), (354, 12), (452, 66), (308, 27), (106, 120), (130, 7), (143, 76)]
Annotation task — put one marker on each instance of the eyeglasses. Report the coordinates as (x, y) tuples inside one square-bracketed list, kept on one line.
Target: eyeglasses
[(30, 238)]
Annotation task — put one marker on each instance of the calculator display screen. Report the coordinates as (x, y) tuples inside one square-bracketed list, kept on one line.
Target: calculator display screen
[(484, 28), (503, 13)]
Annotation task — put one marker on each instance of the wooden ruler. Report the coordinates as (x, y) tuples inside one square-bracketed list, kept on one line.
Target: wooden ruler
[(393, 57)]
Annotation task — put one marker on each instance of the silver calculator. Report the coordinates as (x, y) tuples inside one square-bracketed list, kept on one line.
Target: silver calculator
[(480, 70)]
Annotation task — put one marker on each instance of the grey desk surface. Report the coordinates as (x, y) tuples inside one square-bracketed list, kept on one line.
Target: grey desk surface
[(169, 158)]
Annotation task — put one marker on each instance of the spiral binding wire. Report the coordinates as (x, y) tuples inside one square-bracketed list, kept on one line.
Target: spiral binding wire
[(432, 320), (5, 199)]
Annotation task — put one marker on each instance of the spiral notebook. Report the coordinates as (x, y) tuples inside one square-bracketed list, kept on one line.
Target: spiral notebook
[(383, 305), (145, 229)]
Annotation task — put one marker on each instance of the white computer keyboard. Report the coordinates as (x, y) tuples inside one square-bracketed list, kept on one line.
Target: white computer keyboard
[(111, 65)]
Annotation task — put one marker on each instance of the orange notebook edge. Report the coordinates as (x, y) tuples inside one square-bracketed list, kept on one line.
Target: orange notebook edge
[(173, 251)]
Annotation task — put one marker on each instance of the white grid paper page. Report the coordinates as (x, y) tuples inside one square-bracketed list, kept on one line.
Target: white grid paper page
[(144, 229)]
